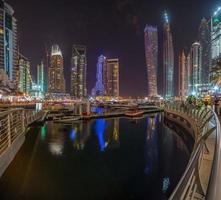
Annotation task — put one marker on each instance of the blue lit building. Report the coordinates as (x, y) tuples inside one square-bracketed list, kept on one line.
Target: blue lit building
[(99, 89), (168, 59), (107, 83), (8, 43)]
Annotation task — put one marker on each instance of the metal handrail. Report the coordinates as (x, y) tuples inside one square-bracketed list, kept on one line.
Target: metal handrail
[(214, 191), (182, 190), (13, 123)]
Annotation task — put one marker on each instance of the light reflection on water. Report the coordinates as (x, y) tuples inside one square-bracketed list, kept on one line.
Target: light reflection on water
[(139, 159)]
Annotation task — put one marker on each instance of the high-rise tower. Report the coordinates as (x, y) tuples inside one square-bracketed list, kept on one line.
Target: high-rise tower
[(168, 59), (196, 67), (99, 88), (111, 83), (184, 67), (8, 43), (25, 79), (151, 52), (56, 71), (216, 36), (107, 83), (205, 42), (78, 72), (40, 77)]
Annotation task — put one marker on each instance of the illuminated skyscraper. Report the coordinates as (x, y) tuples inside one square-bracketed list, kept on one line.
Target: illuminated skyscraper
[(107, 83), (184, 67), (56, 71), (216, 36), (8, 42), (111, 83), (168, 59), (40, 77), (25, 79), (151, 52), (78, 71), (205, 42), (196, 67), (100, 76)]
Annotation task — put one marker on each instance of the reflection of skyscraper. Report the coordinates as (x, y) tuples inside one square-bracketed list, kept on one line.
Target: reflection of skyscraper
[(8, 42), (205, 42), (151, 51), (151, 156), (183, 74), (56, 71), (116, 130), (78, 71), (100, 126), (196, 69), (168, 59), (100, 75), (79, 135)]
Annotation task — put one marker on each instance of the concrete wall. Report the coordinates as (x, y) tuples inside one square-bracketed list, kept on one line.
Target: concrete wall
[(7, 157)]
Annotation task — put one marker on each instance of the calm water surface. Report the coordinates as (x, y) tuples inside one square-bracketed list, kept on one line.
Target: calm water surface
[(101, 159)]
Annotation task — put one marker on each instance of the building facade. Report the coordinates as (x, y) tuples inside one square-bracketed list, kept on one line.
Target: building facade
[(107, 83), (184, 67), (196, 68), (40, 77), (25, 79), (151, 53), (79, 72), (8, 43), (216, 36), (168, 59), (205, 42), (111, 83), (99, 89), (56, 79)]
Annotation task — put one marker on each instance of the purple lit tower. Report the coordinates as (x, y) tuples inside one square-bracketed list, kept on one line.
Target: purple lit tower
[(151, 52), (99, 86)]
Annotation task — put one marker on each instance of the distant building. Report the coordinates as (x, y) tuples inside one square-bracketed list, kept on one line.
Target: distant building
[(151, 52), (168, 59), (25, 79), (111, 80), (79, 72), (56, 71), (99, 89), (205, 42), (216, 36), (107, 83), (8, 43), (40, 77), (184, 67), (196, 68)]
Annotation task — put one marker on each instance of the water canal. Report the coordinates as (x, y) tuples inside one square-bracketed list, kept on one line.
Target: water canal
[(98, 160)]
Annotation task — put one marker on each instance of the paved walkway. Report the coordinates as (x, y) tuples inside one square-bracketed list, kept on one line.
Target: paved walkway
[(206, 162)]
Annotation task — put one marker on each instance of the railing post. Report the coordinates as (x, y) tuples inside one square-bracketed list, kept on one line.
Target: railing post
[(23, 121), (9, 129)]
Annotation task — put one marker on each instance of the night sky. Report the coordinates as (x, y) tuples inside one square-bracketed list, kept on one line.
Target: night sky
[(110, 27)]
